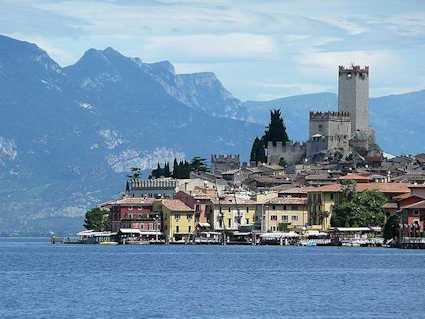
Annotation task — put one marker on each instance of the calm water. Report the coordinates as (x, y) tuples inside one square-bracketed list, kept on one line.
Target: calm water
[(39, 280)]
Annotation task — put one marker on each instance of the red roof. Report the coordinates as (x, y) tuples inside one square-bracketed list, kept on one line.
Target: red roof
[(382, 187), (176, 205), (418, 205), (352, 176)]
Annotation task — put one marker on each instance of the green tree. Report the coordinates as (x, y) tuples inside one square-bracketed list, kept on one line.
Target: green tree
[(282, 162), (360, 210), (97, 219), (276, 131), (166, 171), (391, 227), (198, 164)]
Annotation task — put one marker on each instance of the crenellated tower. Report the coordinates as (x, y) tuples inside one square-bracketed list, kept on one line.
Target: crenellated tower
[(353, 96)]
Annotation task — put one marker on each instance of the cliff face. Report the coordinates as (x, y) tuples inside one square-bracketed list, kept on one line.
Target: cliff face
[(69, 135)]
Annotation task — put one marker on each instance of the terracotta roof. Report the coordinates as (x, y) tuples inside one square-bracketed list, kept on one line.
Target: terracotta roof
[(416, 205), (176, 205), (133, 201), (382, 187), (390, 205), (352, 176), (321, 177), (297, 190), (402, 196), (233, 202), (288, 201)]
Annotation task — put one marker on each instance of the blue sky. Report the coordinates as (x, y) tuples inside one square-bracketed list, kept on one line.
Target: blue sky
[(260, 50)]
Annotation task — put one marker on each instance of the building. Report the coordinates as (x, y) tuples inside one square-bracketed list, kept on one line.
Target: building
[(329, 132), (152, 188), (202, 206), (283, 213), (292, 153), (230, 214), (322, 200), (178, 220), (224, 163), (353, 95), (135, 213)]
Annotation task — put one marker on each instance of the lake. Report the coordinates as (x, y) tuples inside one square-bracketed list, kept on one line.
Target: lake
[(40, 280)]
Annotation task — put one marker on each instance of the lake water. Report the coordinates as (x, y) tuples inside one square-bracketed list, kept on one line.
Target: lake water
[(39, 280)]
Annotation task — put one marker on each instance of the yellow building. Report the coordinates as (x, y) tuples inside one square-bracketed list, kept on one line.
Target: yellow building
[(284, 213), (178, 220), (231, 214), (323, 200)]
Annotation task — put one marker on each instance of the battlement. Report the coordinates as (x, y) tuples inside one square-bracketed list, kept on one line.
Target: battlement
[(292, 152), (330, 116), (226, 157), (354, 70)]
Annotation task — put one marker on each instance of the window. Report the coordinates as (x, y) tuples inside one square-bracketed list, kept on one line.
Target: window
[(220, 223), (189, 216), (189, 229), (273, 217), (247, 221), (332, 196), (197, 208), (273, 207), (177, 216), (229, 222), (229, 210), (294, 218), (285, 218), (177, 229), (247, 210), (284, 207), (273, 228)]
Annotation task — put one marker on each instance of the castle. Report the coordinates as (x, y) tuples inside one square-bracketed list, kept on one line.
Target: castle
[(336, 134), (223, 163)]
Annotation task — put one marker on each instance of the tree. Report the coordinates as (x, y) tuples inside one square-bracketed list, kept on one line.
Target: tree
[(276, 131), (97, 219), (360, 210), (391, 227), (198, 164), (282, 162), (166, 171)]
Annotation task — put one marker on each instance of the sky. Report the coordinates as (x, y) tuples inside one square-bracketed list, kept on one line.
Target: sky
[(260, 50)]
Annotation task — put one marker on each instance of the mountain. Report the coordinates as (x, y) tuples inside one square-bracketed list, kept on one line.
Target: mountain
[(69, 135), (398, 120)]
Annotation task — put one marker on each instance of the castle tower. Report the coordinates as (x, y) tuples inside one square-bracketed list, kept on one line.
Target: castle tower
[(353, 95)]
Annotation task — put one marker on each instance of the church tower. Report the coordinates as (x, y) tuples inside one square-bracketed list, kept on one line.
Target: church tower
[(353, 95)]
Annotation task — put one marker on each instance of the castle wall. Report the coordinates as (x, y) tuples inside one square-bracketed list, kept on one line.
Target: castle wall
[(292, 152), (353, 95), (224, 163)]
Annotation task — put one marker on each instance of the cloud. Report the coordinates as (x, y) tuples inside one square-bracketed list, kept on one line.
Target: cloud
[(211, 46)]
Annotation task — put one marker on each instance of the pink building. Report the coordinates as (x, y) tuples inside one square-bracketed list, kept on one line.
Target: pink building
[(135, 213)]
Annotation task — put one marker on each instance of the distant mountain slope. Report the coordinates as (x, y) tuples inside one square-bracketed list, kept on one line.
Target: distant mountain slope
[(397, 119), (69, 135)]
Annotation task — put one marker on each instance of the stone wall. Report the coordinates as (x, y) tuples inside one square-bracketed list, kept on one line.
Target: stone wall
[(353, 95), (293, 153), (224, 163)]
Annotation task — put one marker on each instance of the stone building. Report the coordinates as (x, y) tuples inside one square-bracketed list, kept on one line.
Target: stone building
[(292, 153), (348, 130), (152, 188), (329, 132), (223, 163)]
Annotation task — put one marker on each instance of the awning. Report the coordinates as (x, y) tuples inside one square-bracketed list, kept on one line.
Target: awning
[(130, 231), (204, 225)]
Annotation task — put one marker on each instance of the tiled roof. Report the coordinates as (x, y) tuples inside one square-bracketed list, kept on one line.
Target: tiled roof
[(297, 190), (288, 201), (233, 202), (230, 172), (176, 205), (352, 176), (383, 187), (416, 205), (133, 201)]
